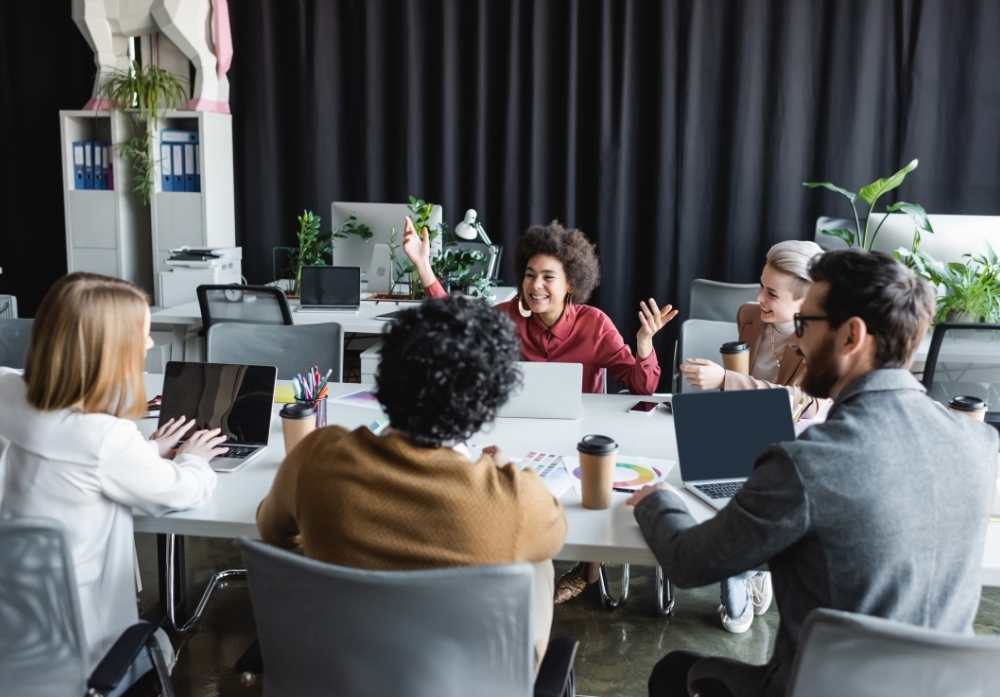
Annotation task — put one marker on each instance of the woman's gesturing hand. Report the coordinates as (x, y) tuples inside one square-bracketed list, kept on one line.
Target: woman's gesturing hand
[(652, 319), (418, 251), (705, 375), (169, 434)]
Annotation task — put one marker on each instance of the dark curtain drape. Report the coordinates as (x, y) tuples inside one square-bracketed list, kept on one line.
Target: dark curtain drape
[(675, 133)]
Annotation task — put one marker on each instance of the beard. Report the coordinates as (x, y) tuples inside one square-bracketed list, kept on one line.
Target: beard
[(822, 373)]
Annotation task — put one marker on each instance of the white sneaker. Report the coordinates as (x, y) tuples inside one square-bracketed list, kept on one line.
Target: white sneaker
[(738, 625), (761, 592)]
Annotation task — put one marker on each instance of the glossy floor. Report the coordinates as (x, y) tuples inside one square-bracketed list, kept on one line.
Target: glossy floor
[(617, 648)]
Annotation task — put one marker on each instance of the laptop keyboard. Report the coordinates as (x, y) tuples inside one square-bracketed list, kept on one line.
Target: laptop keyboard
[(238, 451), (719, 490)]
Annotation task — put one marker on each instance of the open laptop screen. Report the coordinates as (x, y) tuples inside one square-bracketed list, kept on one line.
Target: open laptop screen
[(720, 434), (235, 398), (333, 286)]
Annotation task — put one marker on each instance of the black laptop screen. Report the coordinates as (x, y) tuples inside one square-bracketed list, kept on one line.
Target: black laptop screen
[(336, 286), (235, 398), (720, 434)]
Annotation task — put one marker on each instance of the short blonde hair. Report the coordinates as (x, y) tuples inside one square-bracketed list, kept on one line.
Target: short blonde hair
[(86, 347), (793, 257)]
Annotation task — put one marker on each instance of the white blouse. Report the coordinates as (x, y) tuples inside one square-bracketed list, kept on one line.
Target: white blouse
[(88, 471)]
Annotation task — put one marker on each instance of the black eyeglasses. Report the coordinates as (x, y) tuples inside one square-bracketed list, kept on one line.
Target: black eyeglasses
[(800, 322)]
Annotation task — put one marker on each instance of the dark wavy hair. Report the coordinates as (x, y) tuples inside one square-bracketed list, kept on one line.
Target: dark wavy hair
[(571, 247), (446, 367)]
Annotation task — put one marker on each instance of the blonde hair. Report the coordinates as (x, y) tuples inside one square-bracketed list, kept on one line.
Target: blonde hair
[(86, 347), (793, 257)]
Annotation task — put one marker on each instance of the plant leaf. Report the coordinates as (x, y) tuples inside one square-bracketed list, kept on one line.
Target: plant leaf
[(843, 233), (916, 212), (851, 196), (870, 194)]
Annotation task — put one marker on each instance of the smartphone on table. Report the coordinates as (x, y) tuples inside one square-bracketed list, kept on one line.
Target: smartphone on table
[(643, 407)]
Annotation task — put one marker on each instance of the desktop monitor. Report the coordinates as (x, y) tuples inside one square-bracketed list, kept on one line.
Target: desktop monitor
[(380, 218)]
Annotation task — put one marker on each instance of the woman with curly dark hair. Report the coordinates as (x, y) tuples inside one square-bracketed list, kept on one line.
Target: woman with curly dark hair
[(410, 498), (557, 270)]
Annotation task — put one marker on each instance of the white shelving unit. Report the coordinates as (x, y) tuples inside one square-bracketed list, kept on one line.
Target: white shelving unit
[(107, 232)]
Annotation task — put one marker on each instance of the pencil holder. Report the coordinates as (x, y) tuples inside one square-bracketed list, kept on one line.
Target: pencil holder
[(320, 406)]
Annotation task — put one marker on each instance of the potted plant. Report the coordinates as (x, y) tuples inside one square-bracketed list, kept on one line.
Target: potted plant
[(147, 90), (970, 292), (314, 247)]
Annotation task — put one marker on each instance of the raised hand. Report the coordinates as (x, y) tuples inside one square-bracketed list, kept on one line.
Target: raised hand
[(652, 319), (418, 251)]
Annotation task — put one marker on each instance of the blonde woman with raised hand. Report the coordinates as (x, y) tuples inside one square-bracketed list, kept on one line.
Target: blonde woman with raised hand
[(73, 454)]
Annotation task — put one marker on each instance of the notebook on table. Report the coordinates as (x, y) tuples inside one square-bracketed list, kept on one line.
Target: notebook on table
[(548, 391)]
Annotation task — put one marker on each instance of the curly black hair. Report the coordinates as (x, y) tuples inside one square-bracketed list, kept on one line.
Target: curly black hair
[(571, 247), (446, 367)]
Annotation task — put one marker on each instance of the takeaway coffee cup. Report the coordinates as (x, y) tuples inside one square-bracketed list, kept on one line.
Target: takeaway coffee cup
[(736, 357), (598, 457), (973, 407), (297, 421)]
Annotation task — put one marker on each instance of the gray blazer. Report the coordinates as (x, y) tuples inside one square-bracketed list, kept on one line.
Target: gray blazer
[(881, 510)]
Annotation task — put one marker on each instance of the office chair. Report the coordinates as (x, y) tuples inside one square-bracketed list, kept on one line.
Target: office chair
[(452, 632), (841, 653), (15, 335), (248, 304), (292, 350), (719, 302), (43, 651), (964, 359), (700, 338)]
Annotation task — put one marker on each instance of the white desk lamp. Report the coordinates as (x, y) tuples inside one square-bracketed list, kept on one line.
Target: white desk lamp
[(469, 229)]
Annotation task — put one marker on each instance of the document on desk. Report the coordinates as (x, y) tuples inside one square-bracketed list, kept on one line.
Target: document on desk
[(365, 399), (551, 469), (630, 472)]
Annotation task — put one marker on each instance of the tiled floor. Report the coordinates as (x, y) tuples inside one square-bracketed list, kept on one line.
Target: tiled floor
[(618, 648)]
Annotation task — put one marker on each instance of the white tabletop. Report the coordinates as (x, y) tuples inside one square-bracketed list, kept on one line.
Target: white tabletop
[(610, 536)]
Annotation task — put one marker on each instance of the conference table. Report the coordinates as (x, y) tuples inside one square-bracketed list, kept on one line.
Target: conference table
[(610, 535)]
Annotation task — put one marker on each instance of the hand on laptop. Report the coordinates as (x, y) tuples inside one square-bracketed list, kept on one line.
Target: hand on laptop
[(703, 374), (497, 455), (204, 444), (169, 434), (645, 491)]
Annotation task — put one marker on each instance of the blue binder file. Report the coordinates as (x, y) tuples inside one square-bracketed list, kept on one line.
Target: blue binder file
[(78, 173), (88, 166), (177, 167), (197, 167), (172, 135), (166, 172), (100, 167), (189, 167)]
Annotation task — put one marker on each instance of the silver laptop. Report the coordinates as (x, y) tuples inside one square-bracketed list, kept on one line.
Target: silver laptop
[(548, 391), (720, 434), (330, 289), (235, 398)]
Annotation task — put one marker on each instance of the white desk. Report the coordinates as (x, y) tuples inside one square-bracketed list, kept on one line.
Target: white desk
[(184, 318), (609, 536)]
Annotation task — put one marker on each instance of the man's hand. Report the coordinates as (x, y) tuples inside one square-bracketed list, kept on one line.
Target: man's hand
[(645, 491), (169, 434), (652, 319), (705, 375)]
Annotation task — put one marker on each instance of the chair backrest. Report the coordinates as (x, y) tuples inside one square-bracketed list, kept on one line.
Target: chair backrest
[(15, 334), (719, 302), (42, 646), (453, 632), (250, 304), (701, 338), (291, 350), (841, 653), (8, 306), (964, 359)]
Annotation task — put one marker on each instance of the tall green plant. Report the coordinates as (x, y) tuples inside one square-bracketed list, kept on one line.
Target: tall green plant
[(148, 90), (312, 246), (870, 195), (972, 288)]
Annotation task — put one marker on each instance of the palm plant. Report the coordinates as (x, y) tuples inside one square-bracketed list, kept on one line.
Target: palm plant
[(970, 290)]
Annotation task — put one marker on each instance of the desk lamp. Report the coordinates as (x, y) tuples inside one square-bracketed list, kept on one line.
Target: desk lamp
[(469, 229)]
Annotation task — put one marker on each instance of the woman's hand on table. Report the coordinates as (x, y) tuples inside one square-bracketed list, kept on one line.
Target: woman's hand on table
[(497, 455), (645, 491), (705, 375), (418, 251), (169, 434), (652, 319)]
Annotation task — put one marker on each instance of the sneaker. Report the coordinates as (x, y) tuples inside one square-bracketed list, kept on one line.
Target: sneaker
[(738, 625), (761, 592)]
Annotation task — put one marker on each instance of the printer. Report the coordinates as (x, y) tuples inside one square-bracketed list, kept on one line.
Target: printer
[(191, 267)]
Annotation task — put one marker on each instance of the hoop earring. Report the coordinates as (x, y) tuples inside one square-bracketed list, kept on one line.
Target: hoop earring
[(520, 308), (569, 298)]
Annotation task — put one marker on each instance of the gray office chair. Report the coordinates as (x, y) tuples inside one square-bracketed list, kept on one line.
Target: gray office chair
[(841, 653), (453, 632), (8, 306), (250, 304), (43, 651), (292, 350), (719, 302), (701, 338), (964, 359), (15, 334)]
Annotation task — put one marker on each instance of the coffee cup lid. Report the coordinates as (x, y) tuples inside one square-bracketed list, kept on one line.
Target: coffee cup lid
[(298, 410), (967, 403), (734, 347), (597, 445)]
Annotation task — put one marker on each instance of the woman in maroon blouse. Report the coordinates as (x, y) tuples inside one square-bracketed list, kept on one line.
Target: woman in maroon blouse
[(557, 271)]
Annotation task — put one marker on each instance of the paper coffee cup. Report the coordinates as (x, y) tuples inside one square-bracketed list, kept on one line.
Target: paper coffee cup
[(736, 357), (297, 421), (973, 407), (598, 458)]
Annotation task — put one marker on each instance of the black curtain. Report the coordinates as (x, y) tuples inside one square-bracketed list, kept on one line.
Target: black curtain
[(675, 133)]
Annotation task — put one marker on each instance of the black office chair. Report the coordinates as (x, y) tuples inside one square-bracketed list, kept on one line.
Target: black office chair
[(964, 359), (247, 304), (43, 650)]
